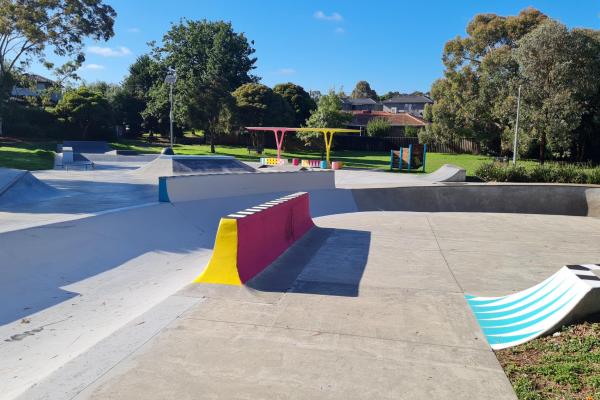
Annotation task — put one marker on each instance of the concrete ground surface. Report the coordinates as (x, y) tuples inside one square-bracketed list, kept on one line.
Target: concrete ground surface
[(96, 301), (369, 305)]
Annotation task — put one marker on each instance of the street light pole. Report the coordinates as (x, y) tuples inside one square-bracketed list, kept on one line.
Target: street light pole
[(517, 127), (171, 114), (170, 79)]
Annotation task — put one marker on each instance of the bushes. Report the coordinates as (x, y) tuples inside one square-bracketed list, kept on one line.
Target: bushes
[(378, 127), (547, 173)]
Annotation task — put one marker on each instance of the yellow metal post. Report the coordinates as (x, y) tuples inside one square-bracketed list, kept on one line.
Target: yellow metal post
[(328, 136)]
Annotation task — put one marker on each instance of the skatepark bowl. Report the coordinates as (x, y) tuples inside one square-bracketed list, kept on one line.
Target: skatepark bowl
[(370, 295)]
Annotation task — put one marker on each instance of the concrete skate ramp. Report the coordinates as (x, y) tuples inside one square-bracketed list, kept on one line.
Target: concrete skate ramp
[(567, 296), (177, 189), (87, 146), (21, 187), (576, 200), (351, 179), (166, 165), (446, 173)]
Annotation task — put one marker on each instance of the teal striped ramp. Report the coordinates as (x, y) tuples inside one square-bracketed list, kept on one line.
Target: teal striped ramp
[(506, 321)]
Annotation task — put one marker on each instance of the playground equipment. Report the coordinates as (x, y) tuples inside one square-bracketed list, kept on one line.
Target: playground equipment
[(335, 165), (328, 136), (411, 157), (272, 161), (249, 240), (311, 163), (570, 294), (280, 132)]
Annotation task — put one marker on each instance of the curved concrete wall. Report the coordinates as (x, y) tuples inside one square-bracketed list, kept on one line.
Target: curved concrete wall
[(575, 200), (201, 187)]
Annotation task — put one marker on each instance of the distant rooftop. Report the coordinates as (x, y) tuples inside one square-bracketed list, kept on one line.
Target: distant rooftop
[(408, 99), (39, 79), (359, 102), (362, 118)]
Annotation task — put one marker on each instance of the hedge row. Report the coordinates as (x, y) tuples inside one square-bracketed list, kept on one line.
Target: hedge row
[(547, 173)]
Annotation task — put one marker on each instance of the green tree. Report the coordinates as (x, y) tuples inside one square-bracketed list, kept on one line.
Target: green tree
[(476, 97), (86, 109), (378, 127), (328, 114), (133, 99), (301, 102), (556, 87), (363, 90), (259, 105), (207, 56), (28, 28)]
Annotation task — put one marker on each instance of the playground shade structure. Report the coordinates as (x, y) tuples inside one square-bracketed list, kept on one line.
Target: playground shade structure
[(280, 132), (249, 240), (571, 293)]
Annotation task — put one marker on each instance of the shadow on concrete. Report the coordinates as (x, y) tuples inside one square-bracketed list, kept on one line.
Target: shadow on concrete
[(80, 196), (325, 261), (50, 264)]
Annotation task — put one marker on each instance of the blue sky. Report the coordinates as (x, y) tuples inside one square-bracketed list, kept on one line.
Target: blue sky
[(394, 45)]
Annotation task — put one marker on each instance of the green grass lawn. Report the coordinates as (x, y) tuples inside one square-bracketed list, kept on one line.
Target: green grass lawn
[(29, 156), (355, 159), (39, 155), (556, 367)]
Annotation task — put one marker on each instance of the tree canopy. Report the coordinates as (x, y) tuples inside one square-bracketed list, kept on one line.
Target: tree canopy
[(211, 60), (85, 108), (327, 114), (259, 105), (477, 96), (28, 28), (301, 101), (363, 90)]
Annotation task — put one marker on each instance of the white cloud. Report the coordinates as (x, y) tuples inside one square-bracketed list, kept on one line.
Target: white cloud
[(332, 17), (134, 30), (121, 51), (339, 30), (286, 71), (94, 66)]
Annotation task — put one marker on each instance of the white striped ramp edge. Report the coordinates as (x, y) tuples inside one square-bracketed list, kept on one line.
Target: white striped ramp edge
[(517, 318), (264, 206)]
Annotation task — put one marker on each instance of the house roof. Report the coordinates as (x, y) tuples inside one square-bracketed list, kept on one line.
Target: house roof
[(395, 119), (359, 102), (39, 79), (408, 99)]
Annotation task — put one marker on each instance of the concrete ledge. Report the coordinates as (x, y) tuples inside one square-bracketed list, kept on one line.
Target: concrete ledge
[(202, 187), (249, 240), (576, 200)]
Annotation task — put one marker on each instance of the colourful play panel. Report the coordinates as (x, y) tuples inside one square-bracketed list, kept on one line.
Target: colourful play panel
[(411, 157)]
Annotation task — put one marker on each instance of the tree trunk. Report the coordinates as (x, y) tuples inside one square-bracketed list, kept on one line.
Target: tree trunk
[(85, 129), (543, 148), (1, 133), (212, 142)]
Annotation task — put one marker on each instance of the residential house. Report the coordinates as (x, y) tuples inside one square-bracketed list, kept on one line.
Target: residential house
[(408, 103), (366, 104), (38, 85), (398, 121)]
